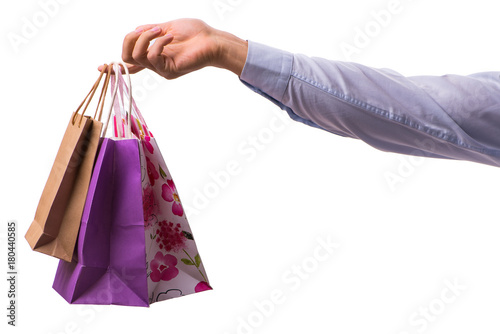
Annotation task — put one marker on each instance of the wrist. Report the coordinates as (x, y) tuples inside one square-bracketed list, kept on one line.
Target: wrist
[(231, 52)]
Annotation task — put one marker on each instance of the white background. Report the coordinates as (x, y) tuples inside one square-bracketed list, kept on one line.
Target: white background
[(398, 246)]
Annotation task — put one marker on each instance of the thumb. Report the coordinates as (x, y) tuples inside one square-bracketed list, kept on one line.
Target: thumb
[(131, 68)]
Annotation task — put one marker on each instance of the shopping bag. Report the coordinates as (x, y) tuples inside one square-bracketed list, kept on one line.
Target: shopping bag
[(57, 219), (135, 245)]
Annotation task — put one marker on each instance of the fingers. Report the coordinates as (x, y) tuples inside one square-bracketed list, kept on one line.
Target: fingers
[(131, 68), (136, 48), (146, 27), (140, 52), (154, 55), (136, 44), (134, 68), (129, 45)]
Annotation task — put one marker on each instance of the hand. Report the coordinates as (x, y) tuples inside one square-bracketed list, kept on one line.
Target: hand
[(182, 46)]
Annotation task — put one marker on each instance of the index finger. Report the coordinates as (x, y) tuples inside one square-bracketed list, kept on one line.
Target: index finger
[(130, 40), (128, 46)]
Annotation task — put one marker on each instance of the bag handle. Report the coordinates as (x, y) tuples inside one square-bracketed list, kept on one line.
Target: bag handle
[(114, 87), (140, 126), (102, 97), (121, 84), (90, 95)]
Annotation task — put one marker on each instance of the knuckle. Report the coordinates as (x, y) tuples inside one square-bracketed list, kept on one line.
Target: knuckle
[(137, 56), (127, 58), (151, 56), (130, 36)]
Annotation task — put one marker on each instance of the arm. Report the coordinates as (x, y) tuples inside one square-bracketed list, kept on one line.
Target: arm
[(454, 117), (451, 116)]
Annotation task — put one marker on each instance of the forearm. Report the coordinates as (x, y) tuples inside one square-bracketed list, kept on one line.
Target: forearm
[(232, 52)]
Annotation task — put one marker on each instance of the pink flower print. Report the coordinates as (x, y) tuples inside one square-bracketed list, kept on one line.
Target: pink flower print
[(163, 267), (146, 131), (147, 145), (149, 206), (202, 286), (152, 173), (170, 237), (169, 194), (135, 129)]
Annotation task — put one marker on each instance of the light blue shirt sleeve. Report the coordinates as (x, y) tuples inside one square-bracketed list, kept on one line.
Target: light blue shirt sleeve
[(450, 116)]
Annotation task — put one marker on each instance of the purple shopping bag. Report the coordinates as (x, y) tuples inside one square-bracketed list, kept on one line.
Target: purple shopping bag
[(110, 265)]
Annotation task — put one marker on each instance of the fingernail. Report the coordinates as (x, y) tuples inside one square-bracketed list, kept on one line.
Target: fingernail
[(168, 35), (155, 29), (139, 30)]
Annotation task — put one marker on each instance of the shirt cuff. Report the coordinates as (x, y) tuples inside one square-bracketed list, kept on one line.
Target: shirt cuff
[(267, 70)]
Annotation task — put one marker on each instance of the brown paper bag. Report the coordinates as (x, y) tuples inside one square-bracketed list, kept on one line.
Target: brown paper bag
[(57, 219)]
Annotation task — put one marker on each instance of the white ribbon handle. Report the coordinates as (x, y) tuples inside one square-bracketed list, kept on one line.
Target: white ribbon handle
[(138, 125), (119, 83)]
